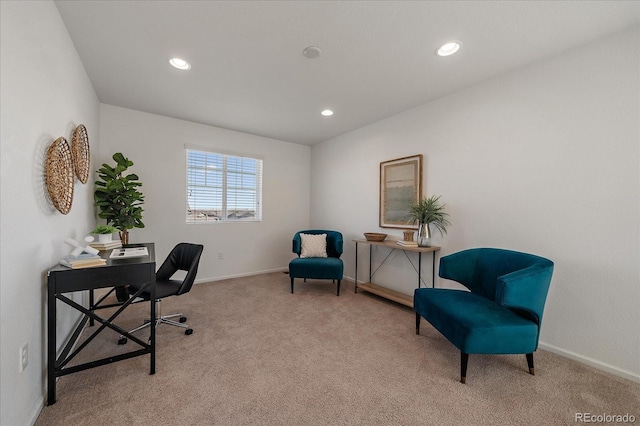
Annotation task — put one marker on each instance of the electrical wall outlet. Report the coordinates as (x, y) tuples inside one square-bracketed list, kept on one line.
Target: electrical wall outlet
[(24, 357), (220, 255)]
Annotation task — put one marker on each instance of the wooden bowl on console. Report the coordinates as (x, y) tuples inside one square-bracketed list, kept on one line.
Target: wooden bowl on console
[(375, 236)]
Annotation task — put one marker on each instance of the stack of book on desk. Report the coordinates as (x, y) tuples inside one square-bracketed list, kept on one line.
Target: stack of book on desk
[(106, 246), (408, 243), (84, 260)]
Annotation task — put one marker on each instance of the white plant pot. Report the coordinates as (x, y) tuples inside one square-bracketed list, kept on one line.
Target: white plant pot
[(104, 238)]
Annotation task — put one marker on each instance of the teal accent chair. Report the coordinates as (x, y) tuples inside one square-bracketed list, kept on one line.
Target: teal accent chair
[(502, 312), (322, 268)]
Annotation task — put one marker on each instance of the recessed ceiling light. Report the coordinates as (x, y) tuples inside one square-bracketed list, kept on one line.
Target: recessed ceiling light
[(449, 48), (181, 64), (327, 112)]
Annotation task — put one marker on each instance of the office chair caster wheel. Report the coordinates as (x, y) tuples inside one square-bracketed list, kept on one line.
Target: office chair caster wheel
[(122, 341), (183, 319), (188, 331)]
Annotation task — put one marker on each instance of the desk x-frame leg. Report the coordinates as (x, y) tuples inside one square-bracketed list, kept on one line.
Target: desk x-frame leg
[(57, 367)]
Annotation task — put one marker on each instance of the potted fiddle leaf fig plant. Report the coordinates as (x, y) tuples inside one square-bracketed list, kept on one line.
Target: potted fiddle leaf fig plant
[(427, 212), (118, 197)]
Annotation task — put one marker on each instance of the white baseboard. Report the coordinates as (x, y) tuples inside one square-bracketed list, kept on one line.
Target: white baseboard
[(246, 274), (591, 362), (43, 402), (34, 416)]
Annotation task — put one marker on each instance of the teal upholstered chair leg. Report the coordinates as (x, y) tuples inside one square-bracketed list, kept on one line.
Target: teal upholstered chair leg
[(334, 281), (464, 360), (530, 364)]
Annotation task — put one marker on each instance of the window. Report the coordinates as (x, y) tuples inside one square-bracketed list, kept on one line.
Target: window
[(222, 187)]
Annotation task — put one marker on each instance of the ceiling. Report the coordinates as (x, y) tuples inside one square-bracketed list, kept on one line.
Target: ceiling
[(249, 73)]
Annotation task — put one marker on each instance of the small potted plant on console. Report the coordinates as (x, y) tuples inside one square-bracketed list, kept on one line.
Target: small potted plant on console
[(426, 212)]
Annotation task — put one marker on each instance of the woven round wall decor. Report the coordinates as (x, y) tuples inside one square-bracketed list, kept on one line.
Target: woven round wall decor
[(59, 175), (80, 151)]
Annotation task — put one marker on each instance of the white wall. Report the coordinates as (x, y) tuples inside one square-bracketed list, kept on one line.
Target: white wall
[(156, 145), (45, 94), (544, 160)]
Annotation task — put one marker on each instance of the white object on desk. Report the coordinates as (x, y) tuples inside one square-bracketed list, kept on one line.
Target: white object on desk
[(78, 249), (125, 253)]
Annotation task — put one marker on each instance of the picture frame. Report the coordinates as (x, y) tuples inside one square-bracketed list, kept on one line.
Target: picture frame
[(400, 187)]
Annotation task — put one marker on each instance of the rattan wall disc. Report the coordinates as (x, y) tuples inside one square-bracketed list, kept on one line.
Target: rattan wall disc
[(81, 155), (59, 175)]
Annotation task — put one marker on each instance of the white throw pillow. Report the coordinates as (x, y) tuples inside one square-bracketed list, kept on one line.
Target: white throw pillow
[(313, 245)]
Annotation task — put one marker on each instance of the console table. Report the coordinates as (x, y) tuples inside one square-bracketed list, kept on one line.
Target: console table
[(388, 293)]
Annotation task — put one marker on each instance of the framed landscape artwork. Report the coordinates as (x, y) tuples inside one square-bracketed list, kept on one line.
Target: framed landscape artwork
[(400, 187)]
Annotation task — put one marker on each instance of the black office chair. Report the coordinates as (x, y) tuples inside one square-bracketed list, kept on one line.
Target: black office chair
[(184, 257)]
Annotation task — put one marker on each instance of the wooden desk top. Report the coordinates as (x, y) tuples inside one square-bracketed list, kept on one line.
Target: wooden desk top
[(394, 245)]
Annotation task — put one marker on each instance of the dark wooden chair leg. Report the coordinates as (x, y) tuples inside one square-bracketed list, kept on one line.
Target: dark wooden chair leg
[(417, 323), (530, 363), (291, 285), (338, 293), (464, 360)]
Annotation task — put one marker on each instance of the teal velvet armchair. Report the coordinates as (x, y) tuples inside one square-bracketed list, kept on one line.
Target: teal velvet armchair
[(327, 267), (502, 311)]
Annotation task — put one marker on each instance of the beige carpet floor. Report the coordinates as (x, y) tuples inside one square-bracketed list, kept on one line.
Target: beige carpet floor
[(262, 356)]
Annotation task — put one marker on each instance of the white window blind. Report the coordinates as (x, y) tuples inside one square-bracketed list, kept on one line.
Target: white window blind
[(223, 187)]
